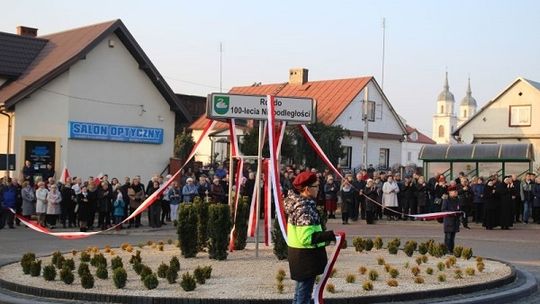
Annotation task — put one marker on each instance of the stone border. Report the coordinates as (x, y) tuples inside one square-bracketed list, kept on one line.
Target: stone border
[(108, 298)]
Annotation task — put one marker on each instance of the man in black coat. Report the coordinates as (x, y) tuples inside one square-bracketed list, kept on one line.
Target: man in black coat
[(451, 223)]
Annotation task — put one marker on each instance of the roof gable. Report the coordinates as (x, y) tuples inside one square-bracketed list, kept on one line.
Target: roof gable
[(533, 84), (65, 48)]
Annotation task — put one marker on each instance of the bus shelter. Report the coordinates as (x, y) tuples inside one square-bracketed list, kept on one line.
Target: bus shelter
[(477, 159)]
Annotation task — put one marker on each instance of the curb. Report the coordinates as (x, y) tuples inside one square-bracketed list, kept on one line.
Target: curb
[(526, 286)]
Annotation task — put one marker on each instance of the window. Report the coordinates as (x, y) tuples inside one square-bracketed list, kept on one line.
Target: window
[(441, 131), (464, 113), (414, 136), (442, 109), (345, 162), (520, 116), (384, 158)]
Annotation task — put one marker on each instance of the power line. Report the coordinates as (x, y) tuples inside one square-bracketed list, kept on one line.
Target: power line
[(191, 82)]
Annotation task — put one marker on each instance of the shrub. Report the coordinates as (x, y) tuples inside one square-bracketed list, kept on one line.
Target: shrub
[(49, 273), (418, 260), (331, 288), (69, 263), (85, 257), (241, 225), (458, 274), (457, 251), (424, 258), (392, 283), (116, 262), (350, 278), (26, 261), (149, 243), (480, 267), (201, 222), (160, 247), (280, 276), (119, 277), (387, 267), (188, 282), (408, 249), (394, 273), (423, 248), (368, 244), (55, 256), (172, 275), (187, 229), (469, 271), (219, 225), (437, 249), (406, 265), (67, 276), (83, 269), (429, 270), (378, 242), (98, 259), (358, 244), (415, 271), (441, 277), (440, 266), (333, 272), (373, 275), (419, 280), (138, 267), (395, 242), (74, 252), (380, 261), (151, 281), (162, 270), (169, 241), (102, 272), (479, 259), (467, 253), (280, 249), (280, 287), (362, 269), (367, 286), (174, 264), (392, 249), (207, 272), (198, 273), (87, 281), (145, 271)]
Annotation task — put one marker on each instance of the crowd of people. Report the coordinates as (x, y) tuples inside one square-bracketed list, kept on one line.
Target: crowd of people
[(368, 195)]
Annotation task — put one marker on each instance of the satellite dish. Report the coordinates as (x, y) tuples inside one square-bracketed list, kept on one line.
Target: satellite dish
[(467, 138)]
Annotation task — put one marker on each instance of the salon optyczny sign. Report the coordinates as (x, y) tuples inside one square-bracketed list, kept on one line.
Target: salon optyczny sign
[(224, 106)]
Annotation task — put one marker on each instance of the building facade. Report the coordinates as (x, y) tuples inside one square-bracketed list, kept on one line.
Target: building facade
[(92, 100)]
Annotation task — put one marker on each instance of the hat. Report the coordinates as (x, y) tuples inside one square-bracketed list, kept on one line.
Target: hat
[(304, 179), (452, 188)]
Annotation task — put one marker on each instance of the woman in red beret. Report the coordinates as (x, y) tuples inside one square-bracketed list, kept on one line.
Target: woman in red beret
[(306, 239)]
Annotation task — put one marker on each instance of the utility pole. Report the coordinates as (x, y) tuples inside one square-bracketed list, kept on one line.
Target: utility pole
[(365, 118), (221, 67), (383, 50)]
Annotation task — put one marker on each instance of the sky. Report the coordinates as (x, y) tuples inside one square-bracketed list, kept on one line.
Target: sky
[(492, 42)]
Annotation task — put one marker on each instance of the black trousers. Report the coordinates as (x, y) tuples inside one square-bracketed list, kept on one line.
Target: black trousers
[(449, 238)]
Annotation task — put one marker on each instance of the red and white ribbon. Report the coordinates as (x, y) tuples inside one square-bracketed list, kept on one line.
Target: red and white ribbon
[(253, 216), (267, 203), (319, 288), (239, 175), (149, 201)]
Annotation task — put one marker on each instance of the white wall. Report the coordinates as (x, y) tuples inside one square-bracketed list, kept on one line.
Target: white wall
[(108, 74), (385, 121), (414, 149)]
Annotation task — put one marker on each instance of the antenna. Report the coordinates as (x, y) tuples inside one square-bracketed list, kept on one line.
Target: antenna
[(383, 50), (220, 67)]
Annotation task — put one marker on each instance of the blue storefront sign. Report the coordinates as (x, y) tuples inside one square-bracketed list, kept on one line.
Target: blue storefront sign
[(97, 131)]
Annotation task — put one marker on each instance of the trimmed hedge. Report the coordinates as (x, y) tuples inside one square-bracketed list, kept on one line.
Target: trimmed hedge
[(219, 226), (240, 232), (187, 229)]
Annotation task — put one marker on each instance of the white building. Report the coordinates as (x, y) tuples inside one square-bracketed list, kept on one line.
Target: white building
[(339, 102), (445, 120), (87, 97), (510, 118)]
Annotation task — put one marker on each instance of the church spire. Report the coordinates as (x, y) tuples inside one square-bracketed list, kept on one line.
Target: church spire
[(469, 92), (446, 86)]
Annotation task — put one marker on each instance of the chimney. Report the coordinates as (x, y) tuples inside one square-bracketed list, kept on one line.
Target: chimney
[(298, 76), (26, 31)]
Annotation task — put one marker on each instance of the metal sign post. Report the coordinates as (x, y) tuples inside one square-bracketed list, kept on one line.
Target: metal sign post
[(294, 110)]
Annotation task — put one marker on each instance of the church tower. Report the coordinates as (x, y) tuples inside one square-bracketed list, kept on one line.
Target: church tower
[(444, 120), (467, 108)]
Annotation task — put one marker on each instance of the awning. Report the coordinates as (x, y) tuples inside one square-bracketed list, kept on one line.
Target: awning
[(478, 152)]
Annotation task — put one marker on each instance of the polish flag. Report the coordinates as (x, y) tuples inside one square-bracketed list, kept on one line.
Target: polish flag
[(97, 179), (65, 174)]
